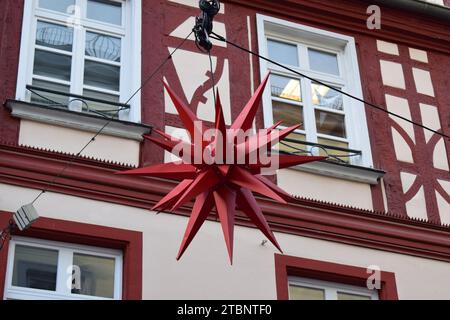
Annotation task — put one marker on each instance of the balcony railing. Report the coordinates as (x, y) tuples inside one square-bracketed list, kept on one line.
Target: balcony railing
[(55, 98), (335, 153)]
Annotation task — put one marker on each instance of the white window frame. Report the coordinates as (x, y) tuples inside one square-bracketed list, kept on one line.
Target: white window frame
[(331, 289), (130, 78), (345, 48), (64, 270)]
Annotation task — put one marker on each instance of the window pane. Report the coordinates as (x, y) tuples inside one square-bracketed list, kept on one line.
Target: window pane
[(97, 275), (103, 46), (286, 88), (54, 36), (330, 123), (50, 98), (105, 11), (96, 107), (52, 65), (323, 62), (304, 293), (102, 75), (288, 113), (350, 296), (291, 144), (325, 97), (35, 268), (282, 52), (59, 5)]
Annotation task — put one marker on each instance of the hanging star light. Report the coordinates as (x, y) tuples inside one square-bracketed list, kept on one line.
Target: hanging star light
[(222, 169)]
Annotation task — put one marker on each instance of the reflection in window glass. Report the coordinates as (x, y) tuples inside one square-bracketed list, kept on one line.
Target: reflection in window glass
[(52, 65), (96, 107), (50, 98), (330, 124), (289, 114), (35, 268), (333, 143), (57, 5), (282, 52), (105, 11), (54, 36), (326, 98), (97, 275), (305, 293), (323, 62), (284, 87), (292, 143), (350, 296), (102, 46), (102, 75)]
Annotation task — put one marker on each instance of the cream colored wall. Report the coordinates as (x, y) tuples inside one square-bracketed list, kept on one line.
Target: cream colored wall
[(204, 272), (325, 188), (56, 138)]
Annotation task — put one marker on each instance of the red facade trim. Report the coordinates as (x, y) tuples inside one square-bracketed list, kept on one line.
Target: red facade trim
[(129, 242), (88, 179), (350, 16), (286, 266)]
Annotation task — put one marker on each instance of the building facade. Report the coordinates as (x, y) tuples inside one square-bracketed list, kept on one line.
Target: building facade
[(372, 222)]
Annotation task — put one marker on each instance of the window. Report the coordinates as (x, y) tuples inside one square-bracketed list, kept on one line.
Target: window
[(40, 269), (88, 48), (331, 123), (301, 278), (310, 289)]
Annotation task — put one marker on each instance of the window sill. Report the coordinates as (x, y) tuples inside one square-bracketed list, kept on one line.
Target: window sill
[(342, 171), (77, 120)]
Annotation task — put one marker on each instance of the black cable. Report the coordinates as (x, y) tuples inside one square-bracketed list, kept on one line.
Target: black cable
[(212, 77), (213, 93), (220, 38), (110, 120)]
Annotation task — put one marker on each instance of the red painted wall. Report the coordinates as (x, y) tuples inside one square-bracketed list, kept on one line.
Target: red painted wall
[(349, 17), (10, 31)]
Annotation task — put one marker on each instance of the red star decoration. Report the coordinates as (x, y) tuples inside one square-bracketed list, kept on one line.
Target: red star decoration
[(227, 185)]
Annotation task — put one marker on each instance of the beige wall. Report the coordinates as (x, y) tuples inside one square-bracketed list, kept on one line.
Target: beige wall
[(205, 273), (318, 187), (56, 138)]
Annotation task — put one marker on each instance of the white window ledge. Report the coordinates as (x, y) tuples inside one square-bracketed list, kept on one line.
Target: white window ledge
[(342, 171), (77, 120)]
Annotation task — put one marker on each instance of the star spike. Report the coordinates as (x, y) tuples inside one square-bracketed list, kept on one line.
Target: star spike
[(188, 118), (173, 195), (225, 199), (286, 196), (172, 170), (202, 208), (245, 119), (286, 161), (245, 179), (253, 144), (203, 181), (247, 203), (220, 120)]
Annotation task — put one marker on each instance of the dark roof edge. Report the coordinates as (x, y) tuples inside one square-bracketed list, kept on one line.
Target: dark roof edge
[(417, 6)]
